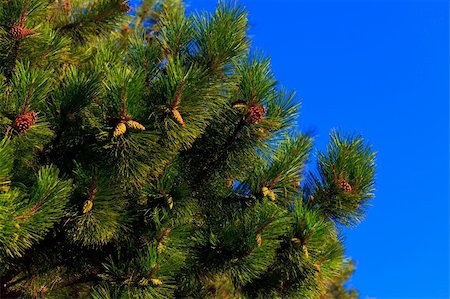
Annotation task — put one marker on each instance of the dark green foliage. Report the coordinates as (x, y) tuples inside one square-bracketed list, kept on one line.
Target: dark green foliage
[(158, 159), (308, 259), (347, 159), (27, 215), (106, 220), (97, 18)]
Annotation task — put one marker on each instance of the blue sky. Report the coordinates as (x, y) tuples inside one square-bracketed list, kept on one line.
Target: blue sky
[(379, 68)]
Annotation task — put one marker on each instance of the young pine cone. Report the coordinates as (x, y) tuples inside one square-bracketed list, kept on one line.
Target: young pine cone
[(255, 113), (125, 7), (135, 125), (18, 32), (178, 117), (23, 122), (345, 186), (87, 206), (120, 129)]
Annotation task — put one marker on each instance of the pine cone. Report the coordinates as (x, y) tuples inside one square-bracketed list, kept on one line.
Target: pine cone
[(229, 183), (295, 240), (160, 248), (135, 125), (259, 240), (33, 116), (143, 281), (4, 188), (255, 113), (120, 129), (345, 186), (126, 28), (156, 281), (170, 202), (18, 32), (272, 195), (23, 122), (87, 206), (269, 193), (238, 104), (305, 250), (125, 7), (178, 117)]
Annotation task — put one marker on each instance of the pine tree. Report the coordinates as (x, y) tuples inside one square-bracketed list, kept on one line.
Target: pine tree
[(156, 157)]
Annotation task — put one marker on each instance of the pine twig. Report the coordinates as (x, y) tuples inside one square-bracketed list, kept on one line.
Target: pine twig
[(35, 208), (274, 181), (258, 231), (176, 102), (177, 99)]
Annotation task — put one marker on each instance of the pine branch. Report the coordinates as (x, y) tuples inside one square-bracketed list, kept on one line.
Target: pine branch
[(97, 18), (36, 207), (345, 179)]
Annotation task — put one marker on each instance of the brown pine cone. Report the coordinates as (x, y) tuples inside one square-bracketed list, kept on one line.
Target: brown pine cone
[(18, 32), (125, 7), (255, 113), (23, 122), (345, 186)]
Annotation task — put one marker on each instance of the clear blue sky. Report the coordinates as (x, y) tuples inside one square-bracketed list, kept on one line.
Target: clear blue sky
[(379, 68)]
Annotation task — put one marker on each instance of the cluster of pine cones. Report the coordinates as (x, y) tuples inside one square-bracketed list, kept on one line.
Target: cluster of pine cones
[(121, 127)]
